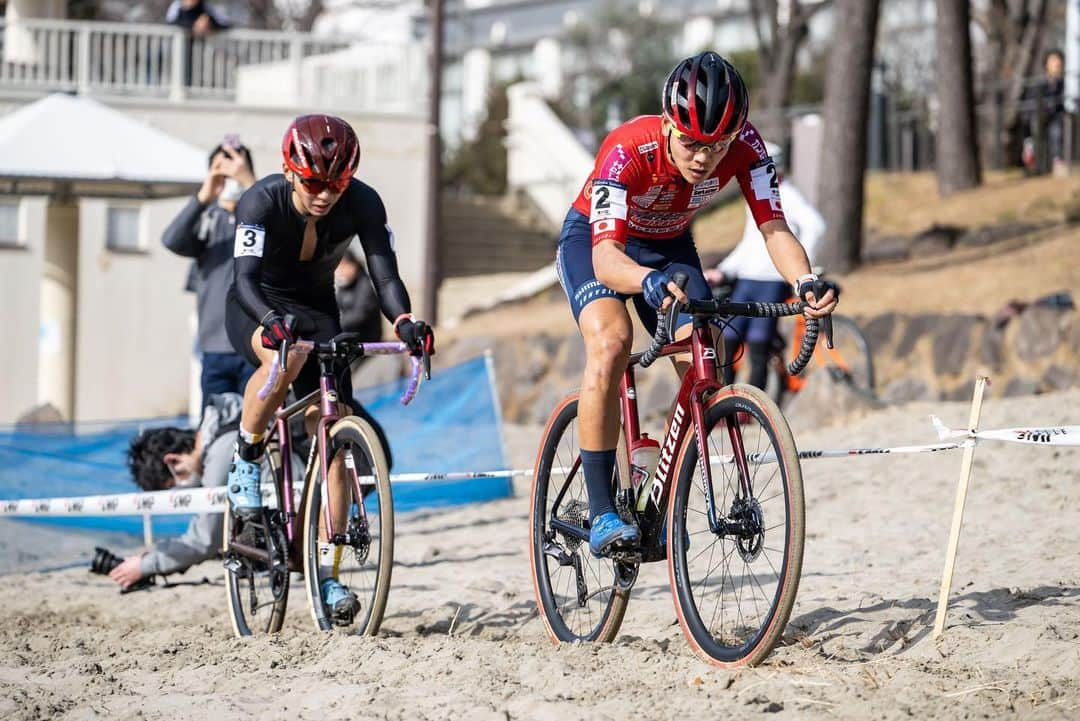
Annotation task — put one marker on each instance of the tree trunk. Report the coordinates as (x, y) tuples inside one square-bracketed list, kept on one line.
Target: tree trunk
[(843, 161), (957, 148)]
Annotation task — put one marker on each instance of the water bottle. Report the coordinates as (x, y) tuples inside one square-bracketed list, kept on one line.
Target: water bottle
[(644, 453)]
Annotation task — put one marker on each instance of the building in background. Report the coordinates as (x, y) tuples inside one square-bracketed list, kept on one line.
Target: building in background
[(123, 344)]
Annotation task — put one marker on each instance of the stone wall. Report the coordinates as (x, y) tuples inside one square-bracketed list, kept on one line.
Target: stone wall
[(919, 357)]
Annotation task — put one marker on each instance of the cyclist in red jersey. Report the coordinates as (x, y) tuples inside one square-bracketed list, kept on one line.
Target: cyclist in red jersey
[(628, 233)]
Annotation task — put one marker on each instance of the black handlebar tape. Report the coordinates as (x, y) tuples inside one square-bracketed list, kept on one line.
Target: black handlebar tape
[(806, 350)]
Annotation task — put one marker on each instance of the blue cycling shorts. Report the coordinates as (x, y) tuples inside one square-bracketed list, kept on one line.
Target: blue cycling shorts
[(673, 255)]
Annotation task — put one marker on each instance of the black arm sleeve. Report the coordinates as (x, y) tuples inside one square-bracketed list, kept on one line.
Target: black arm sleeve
[(181, 237), (246, 274), (247, 269), (381, 261)]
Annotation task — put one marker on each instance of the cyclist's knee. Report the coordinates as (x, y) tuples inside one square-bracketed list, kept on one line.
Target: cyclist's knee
[(608, 352)]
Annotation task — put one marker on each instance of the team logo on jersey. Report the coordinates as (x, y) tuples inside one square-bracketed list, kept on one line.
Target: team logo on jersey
[(647, 147), (615, 163), (703, 192), (647, 198)]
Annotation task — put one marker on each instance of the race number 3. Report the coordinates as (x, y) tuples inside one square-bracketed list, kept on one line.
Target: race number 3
[(249, 241)]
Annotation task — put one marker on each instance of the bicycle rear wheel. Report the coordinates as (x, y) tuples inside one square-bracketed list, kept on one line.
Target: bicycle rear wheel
[(576, 594), (363, 552), (850, 361), (735, 582), (257, 589)]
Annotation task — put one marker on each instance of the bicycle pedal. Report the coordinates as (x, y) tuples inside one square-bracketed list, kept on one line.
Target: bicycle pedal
[(625, 555)]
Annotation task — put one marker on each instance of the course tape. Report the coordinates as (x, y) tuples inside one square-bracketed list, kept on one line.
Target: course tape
[(213, 500), (189, 500)]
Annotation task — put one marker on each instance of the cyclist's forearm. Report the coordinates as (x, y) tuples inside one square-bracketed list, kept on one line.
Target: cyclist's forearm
[(786, 251), (247, 271), (615, 269)]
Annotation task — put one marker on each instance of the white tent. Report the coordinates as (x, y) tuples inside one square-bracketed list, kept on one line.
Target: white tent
[(68, 138)]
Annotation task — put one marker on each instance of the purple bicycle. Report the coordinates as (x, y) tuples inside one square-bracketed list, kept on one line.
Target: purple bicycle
[(345, 513)]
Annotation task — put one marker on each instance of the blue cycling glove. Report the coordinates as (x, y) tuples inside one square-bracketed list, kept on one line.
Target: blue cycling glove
[(654, 286)]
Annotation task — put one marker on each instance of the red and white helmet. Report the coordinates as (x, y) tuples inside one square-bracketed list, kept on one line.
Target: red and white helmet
[(705, 98)]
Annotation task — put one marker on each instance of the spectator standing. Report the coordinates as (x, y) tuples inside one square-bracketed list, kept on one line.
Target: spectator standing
[(205, 230), (200, 20)]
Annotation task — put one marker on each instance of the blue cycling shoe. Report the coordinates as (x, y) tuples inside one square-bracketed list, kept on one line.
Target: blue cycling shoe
[(243, 484), (342, 603), (608, 530)]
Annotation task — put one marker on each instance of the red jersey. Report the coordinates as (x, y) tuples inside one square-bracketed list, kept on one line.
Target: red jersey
[(635, 190)]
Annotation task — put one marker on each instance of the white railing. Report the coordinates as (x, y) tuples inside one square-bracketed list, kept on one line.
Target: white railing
[(160, 61)]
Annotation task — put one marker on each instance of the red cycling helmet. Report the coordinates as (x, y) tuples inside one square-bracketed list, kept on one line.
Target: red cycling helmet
[(323, 152), (705, 98)]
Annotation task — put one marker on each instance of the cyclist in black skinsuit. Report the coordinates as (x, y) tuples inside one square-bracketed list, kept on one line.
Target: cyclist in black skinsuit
[(291, 231)]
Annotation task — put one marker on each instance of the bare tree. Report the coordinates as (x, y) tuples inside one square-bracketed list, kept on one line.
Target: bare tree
[(779, 40), (1014, 32), (957, 147), (847, 100)]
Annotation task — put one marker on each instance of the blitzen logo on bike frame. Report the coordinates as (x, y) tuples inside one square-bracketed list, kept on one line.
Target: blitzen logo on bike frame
[(667, 455)]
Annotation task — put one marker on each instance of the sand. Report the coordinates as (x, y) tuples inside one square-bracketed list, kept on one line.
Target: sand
[(462, 640)]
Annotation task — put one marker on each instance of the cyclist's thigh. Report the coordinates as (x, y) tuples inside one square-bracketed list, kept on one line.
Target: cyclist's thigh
[(573, 261), (319, 325)]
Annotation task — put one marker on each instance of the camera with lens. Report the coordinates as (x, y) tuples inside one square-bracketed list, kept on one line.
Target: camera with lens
[(105, 561)]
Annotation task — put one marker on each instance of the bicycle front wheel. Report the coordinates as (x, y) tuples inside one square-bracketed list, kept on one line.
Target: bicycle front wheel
[(361, 555), (735, 571), (256, 562), (576, 593)]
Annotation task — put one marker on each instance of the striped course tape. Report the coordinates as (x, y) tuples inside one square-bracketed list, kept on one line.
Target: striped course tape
[(213, 500)]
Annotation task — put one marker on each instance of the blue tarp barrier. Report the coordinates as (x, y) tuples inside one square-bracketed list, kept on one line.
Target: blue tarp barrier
[(452, 425)]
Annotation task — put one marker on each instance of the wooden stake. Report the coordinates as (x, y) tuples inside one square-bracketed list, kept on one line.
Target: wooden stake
[(958, 508)]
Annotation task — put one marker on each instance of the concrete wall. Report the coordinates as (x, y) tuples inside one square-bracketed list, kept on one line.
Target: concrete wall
[(133, 343), (20, 278)]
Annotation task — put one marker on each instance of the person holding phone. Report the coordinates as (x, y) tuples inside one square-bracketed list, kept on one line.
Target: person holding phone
[(204, 231)]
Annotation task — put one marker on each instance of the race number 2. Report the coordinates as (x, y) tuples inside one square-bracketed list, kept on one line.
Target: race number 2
[(249, 241)]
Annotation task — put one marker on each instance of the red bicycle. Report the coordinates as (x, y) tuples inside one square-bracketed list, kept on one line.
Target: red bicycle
[(725, 498), (261, 553)]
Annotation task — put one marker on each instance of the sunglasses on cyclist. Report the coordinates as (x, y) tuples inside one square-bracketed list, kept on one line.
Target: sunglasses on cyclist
[(696, 146), (314, 186)]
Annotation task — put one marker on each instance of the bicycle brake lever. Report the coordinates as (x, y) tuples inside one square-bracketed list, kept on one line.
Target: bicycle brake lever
[(283, 354), (426, 359), (822, 287)]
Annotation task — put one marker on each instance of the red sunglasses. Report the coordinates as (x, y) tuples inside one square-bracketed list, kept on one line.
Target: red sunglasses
[(316, 186)]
